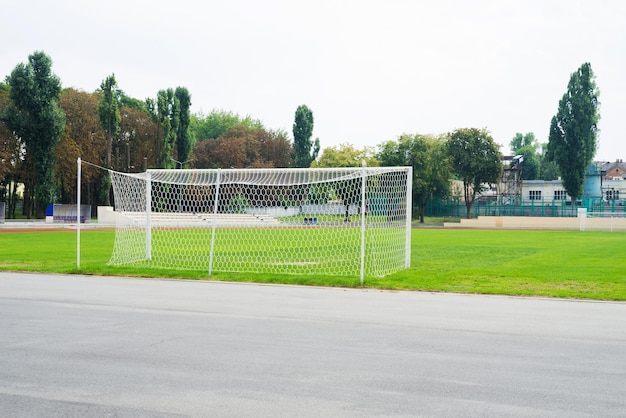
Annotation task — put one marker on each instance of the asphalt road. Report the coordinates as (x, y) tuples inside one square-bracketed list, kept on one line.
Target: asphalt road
[(93, 346)]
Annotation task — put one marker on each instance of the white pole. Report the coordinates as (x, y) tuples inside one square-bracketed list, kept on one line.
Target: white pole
[(409, 213), (78, 174), (363, 184), (215, 207), (148, 216)]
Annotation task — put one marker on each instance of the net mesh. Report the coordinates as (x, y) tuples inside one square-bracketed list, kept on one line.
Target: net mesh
[(346, 222)]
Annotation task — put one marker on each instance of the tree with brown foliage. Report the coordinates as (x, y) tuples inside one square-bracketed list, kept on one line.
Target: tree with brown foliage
[(137, 140), (244, 147), (83, 137)]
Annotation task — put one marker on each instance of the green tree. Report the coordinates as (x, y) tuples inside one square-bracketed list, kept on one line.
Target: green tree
[(475, 160), (431, 168), (168, 117), (531, 164), (35, 117), (305, 151), (11, 158), (548, 170), (346, 155), (7, 140), (109, 113), (184, 139), (217, 123), (521, 140), (526, 145), (132, 103), (574, 129)]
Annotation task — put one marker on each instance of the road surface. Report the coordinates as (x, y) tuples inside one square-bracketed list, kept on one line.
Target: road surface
[(101, 346)]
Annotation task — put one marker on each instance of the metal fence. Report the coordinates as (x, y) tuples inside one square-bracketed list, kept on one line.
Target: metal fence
[(455, 208)]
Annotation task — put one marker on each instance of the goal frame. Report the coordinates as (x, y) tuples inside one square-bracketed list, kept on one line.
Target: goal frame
[(364, 171)]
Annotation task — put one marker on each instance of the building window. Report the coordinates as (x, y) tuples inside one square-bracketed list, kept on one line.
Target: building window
[(612, 195), (535, 195), (560, 195)]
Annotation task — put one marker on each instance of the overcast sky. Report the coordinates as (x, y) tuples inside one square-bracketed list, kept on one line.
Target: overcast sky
[(369, 70)]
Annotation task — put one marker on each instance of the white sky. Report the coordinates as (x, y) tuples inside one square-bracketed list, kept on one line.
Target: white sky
[(369, 70)]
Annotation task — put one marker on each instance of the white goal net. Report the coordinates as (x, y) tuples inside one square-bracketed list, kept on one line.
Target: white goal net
[(332, 221)]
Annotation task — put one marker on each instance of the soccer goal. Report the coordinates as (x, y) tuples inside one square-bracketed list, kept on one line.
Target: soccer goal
[(330, 221)]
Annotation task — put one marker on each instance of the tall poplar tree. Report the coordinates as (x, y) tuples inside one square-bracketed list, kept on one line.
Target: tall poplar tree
[(184, 140), (109, 113), (574, 129), (304, 151), (168, 118), (36, 118)]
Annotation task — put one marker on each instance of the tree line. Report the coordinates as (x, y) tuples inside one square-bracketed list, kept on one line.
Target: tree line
[(45, 128), (471, 156)]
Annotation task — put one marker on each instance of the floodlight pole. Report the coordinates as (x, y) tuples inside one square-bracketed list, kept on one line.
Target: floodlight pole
[(78, 174)]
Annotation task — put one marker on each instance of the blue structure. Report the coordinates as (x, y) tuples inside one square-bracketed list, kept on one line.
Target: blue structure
[(592, 187)]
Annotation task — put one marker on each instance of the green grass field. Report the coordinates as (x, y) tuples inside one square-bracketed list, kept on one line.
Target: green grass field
[(318, 250), (570, 264)]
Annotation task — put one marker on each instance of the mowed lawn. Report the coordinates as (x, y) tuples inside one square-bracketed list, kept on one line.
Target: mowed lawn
[(570, 264)]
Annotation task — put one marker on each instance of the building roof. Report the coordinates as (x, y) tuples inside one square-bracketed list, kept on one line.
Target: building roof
[(618, 166)]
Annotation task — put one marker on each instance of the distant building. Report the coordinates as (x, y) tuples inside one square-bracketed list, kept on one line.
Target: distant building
[(604, 182), (544, 191), (614, 182), (614, 171), (604, 194)]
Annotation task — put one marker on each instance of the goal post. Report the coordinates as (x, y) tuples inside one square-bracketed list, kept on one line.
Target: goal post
[(327, 221)]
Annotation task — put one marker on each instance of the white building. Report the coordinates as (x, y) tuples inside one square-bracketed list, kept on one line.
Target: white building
[(544, 191)]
